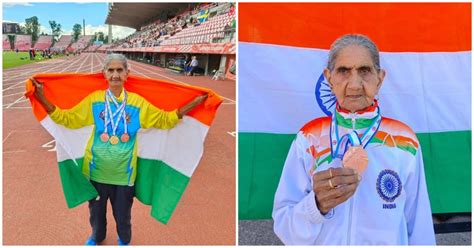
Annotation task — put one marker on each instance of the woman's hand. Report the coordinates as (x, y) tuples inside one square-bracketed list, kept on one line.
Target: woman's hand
[(191, 105), (38, 87), (39, 94), (333, 187)]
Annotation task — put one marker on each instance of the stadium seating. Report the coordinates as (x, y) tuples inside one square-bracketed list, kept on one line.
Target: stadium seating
[(23, 42), (92, 48), (204, 33), (63, 43), (209, 31), (103, 48), (44, 42), (82, 42)]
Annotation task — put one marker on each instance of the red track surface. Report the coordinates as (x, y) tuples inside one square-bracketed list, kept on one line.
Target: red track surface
[(34, 209)]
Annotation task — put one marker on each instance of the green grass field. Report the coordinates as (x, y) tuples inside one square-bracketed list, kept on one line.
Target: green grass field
[(13, 59)]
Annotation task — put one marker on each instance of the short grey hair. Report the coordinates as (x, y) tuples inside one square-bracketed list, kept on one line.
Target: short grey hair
[(116, 56), (353, 39)]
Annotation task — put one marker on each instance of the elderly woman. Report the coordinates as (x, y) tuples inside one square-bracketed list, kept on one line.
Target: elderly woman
[(355, 178), (111, 157)]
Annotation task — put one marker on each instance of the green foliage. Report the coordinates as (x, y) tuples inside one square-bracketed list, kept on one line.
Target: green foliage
[(76, 31), (55, 30), (32, 27), (11, 39)]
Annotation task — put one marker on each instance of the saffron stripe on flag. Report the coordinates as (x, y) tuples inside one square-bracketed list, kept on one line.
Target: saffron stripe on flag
[(394, 27)]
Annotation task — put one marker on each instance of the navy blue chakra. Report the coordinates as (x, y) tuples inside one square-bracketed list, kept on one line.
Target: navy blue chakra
[(389, 185), (324, 97)]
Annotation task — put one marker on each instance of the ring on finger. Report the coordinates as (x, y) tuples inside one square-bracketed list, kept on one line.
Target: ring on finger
[(330, 184)]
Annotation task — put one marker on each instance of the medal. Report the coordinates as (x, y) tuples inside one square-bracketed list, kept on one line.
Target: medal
[(356, 158), (124, 138), (350, 148), (114, 140), (104, 137), (114, 122)]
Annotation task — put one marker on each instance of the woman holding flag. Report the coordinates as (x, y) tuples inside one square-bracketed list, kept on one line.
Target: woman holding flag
[(111, 154), (355, 178)]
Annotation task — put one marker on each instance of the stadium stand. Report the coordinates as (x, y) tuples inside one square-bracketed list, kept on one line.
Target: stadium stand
[(23, 42), (92, 48), (171, 34), (44, 42), (182, 29), (63, 43), (103, 48), (6, 43), (82, 42), (206, 32)]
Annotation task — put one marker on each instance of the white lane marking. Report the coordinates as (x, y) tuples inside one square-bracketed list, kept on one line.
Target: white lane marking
[(7, 136), (231, 133), (26, 107), (84, 61), (14, 151), (13, 103), (34, 72), (14, 94), (50, 144), (172, 79)]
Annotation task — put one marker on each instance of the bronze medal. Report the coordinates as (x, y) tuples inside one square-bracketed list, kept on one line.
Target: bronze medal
[(356, 158), (104, 137), (114, 140), (125, 138)]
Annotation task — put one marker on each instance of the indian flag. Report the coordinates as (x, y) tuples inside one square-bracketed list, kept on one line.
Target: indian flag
[(166, 158), (426, 51)]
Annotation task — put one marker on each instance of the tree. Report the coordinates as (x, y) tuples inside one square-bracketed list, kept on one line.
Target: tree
[(11, 39), (32, 27), (22, 29), (76, 31), (55, 30)]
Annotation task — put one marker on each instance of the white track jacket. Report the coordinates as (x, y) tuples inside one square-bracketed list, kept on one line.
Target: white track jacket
[(390, 206)]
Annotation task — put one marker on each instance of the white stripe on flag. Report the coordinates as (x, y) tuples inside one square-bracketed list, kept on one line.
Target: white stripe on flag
[(180, 147), (431, 92)]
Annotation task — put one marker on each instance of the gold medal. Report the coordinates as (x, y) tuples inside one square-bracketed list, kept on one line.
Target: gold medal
[(104, 137), (125, 138), (114, 140), (356, 158)]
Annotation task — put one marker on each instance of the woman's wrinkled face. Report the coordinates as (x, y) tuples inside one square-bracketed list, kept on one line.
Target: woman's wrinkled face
[(115, 73), (354, 79)]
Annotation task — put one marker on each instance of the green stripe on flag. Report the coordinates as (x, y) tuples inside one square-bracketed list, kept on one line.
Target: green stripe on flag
[(447, 158), (159, 185), (76, 187)]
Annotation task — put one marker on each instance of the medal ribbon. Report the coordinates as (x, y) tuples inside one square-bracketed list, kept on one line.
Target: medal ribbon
[(119, 112), (340, 146)]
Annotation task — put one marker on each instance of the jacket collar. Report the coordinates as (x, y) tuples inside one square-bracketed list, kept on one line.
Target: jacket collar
[(362, 118)]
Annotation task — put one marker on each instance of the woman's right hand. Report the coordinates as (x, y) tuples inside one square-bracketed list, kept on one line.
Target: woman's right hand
[(333, 187), (39, 94), (38, 87)]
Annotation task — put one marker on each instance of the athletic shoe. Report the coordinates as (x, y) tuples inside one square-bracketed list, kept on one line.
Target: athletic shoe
[(120, 242), (90, 241)]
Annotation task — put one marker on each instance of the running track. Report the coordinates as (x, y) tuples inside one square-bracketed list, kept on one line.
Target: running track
[(34, 209)]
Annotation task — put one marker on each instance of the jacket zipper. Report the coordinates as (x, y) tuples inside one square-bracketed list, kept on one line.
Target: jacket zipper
[(353, 115)]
